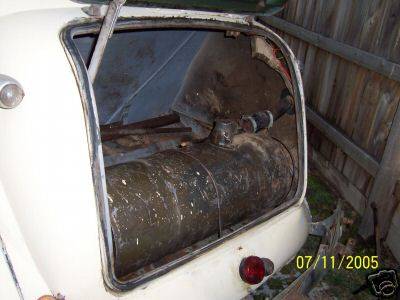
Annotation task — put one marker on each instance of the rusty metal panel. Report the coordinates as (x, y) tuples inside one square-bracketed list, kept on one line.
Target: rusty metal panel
[(137, 68)]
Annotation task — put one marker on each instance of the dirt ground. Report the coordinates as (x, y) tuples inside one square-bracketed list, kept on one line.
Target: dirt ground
[(337, 284)]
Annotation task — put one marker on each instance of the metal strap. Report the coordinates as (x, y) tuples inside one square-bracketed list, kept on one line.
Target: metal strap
[(106, 32)]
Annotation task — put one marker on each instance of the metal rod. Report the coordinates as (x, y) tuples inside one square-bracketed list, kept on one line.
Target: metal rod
[(132, 155), (115, 133), (6, 258), (149, 123), (105, 33)]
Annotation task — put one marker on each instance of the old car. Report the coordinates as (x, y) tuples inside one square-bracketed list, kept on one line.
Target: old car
[(149, 149)]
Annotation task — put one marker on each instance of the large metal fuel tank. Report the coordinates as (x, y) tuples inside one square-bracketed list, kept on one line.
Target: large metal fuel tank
[(175, 198)]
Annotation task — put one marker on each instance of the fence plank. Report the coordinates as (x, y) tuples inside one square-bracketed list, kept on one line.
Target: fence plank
[(351, 58), (393, 239), (363, 58), (384, 183), (348, 191), (348, 147), (335, 30)]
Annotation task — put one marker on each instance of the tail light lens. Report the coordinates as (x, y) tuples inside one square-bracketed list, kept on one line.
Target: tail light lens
[(252, 270)]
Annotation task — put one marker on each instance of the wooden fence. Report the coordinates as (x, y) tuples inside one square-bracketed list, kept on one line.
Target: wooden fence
[(349, 53)]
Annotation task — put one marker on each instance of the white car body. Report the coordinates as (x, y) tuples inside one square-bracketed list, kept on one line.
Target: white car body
[(49, 225)]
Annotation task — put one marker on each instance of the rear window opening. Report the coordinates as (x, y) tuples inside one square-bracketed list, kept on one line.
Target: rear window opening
[(199, 139)]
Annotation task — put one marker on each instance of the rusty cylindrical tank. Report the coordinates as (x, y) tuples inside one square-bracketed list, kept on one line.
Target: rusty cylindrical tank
[(172, 199)]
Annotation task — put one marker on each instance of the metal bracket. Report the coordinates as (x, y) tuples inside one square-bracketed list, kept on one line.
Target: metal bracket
[(93, 10), (106, 32)]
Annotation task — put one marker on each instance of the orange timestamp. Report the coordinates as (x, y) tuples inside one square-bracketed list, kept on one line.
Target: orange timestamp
[(347, 262)]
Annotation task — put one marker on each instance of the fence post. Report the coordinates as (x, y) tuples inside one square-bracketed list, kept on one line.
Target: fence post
[(384, 184)]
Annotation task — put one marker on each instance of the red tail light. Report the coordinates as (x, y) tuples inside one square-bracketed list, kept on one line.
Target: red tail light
[(252, 270)]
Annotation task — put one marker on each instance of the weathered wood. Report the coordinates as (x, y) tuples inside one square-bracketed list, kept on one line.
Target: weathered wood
[(373, 17), (306, 22), (384, 184), (381, 121), (355, 174), (393, 238), (369, 101), (310, 67), (341, 107), (333, 20), (393, 46), (348, 147), (335, 29), (338, 159), (297, 17), (349, 51), (347, 100), (347, 190), (363, 58), (358, 18)]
